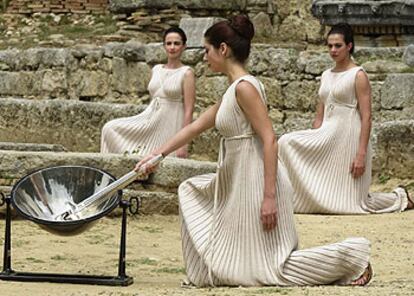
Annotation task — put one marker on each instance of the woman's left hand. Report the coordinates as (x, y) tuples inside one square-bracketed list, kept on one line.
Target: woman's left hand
[(268, 213), (358, 166)]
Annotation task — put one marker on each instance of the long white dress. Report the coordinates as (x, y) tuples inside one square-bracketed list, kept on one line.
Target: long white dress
[(318, 161), (162, 119), (223, 238)]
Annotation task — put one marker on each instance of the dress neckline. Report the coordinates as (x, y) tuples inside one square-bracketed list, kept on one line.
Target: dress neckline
[(169, 69), (334, 72)]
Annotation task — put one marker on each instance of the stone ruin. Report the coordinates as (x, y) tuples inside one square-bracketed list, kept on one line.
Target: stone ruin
[(379, 23)]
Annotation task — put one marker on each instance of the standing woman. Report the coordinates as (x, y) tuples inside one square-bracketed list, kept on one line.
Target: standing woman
[(237, 224), (172, 88), (330, 165)]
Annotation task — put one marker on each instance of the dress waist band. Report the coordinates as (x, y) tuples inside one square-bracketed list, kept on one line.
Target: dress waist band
[(167, 100)]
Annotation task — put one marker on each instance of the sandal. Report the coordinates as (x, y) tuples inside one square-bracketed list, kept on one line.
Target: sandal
[(186, 284), (365, 278), (410, 205)]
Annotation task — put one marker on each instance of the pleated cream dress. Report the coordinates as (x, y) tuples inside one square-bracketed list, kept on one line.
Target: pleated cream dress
[(222, 236), (318, 161), (162, 119)]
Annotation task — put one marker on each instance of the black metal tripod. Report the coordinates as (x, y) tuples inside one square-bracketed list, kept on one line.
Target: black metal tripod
[(8, 274)]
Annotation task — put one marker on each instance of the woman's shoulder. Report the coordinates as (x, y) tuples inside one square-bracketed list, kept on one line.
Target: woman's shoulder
[(249, 78), (187, 69), (249, 82), (157, 67)]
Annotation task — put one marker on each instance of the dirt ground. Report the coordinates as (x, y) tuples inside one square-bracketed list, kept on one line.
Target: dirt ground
[(154, 256)]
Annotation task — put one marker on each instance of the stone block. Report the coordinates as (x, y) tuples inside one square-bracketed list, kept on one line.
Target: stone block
[(314, 62), (262, 25), (195, 28), (301, 95), (384, 66), (211, 89), (394, 149), (54, 83), (20, 83), (376, 95), (89, 84), (364, 54), (192, 56), (129, 6), (397, 91), (75, 125), (408, 56), (9, 57), (130, 78), (206, 146), (155, 53), (280, 63), (295, 121), (289, 29), (273, 91)]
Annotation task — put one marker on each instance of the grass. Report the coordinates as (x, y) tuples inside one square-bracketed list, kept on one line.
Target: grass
[(383, 178), (266, 291), (170, 270), (142, 261), (58, 258), (151, 229), (103, 25), (76, 31), (34, 260)]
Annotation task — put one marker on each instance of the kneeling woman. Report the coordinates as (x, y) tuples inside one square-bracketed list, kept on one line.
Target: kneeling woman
[(330, 166), (237, 225)]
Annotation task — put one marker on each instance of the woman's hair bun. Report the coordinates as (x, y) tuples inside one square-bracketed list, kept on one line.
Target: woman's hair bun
[(243, 26)]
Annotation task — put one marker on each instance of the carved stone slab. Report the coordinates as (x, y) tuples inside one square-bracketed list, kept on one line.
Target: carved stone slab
[(195, 28)]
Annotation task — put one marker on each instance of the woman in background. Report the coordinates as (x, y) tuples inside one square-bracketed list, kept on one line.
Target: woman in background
[(330, 165), (172, 88)]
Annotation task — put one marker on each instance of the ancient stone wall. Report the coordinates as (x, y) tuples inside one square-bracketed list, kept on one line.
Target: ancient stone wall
[(276, 21), (67, 92), (57, 6)]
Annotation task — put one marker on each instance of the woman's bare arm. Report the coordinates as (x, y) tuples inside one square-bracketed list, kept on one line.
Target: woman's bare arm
[(255, 110), (189, 101)]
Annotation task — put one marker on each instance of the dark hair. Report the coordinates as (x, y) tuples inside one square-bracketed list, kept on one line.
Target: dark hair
[(237, 33), (346, 31), (177, 30)]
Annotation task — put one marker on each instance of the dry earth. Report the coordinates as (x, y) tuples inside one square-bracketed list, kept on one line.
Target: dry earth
[(154, 256)]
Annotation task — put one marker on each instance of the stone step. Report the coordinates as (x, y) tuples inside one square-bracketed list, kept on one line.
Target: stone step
[(172, 171), (31, 147), (73, 124), (150, 202), (157, 194)]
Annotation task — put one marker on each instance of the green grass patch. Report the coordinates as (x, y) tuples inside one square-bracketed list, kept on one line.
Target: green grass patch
[(383, 178), (150, 229), (142, 261), (170, 270), (34, 260), (408, 70), (58, 258), (265, 291)]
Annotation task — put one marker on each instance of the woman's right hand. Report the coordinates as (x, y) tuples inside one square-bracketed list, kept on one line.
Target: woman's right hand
[(358, 166), (268, 213)]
